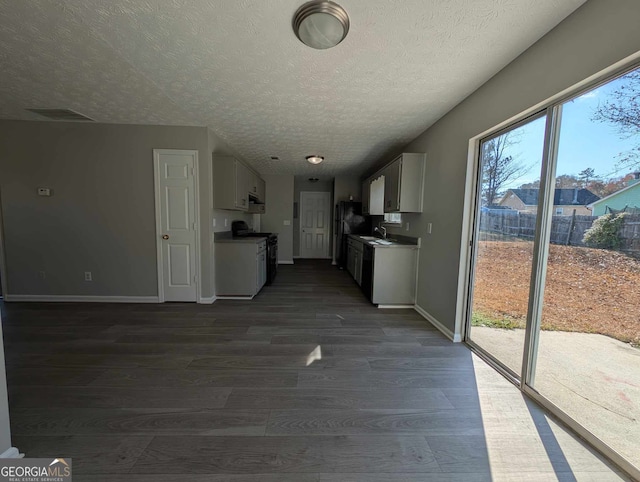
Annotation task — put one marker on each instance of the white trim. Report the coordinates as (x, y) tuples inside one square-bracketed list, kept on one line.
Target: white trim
[(246, 298), (285, 262), (445, 331), (393, 307), (82, 299), (196, 204), (207, 301), (11, 453)]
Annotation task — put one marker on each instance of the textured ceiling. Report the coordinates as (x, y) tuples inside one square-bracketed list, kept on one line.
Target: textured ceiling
[(236, 66)]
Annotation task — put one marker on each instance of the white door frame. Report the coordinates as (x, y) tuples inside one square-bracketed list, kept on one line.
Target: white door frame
[(329, 237), (196, 194), (3, 266)]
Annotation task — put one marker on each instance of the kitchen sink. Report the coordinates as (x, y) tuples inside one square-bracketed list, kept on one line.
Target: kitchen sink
[(369, 238), (384, 242)]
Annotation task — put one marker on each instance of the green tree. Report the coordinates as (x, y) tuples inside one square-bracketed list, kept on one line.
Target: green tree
[(586, 176)]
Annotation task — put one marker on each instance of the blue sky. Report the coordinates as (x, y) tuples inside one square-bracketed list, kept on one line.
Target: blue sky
[(583, 142)]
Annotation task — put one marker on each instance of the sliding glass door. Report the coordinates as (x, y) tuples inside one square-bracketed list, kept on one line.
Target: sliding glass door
[(554, 298), (509, 178)]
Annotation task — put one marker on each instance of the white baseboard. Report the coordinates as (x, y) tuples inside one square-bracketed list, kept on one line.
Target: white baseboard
[(82, 299), (11, 453), (394, 307), (285, 262), (207, 301), (246, 298), (445, 331)]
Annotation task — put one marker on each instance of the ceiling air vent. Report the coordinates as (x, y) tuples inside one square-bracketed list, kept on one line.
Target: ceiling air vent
[(61, 114)]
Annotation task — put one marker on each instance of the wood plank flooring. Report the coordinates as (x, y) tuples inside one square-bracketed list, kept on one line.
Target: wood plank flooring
[(307, 383)]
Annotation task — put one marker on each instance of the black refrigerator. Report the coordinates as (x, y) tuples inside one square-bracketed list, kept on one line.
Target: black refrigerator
[(349, 220)]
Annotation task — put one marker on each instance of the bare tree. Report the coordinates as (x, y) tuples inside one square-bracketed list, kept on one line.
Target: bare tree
[(622, 109), (498, 168)]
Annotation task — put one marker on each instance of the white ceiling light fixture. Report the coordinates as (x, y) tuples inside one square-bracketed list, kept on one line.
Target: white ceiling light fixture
[(321, 24), (314, 159)]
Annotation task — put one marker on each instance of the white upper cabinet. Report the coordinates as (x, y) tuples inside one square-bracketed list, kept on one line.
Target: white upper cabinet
[(376, 197), (242, 177), (261, 189), (403, 184), (233, 182), (256, 186), (366, 189)]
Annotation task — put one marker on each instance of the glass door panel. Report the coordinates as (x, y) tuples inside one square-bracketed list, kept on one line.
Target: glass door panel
[(588, 360), (508, 188)]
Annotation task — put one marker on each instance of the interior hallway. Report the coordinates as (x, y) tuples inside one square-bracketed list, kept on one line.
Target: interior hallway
[(307, 382)]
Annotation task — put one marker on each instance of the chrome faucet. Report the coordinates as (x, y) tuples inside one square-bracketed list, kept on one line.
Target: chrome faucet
[(382, 230)]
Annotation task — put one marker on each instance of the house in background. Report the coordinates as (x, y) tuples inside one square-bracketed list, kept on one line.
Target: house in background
[(626, 199), (565, 201)]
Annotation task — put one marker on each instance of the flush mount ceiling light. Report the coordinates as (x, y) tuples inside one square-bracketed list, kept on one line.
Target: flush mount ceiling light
[(314, 159), (321, 24)]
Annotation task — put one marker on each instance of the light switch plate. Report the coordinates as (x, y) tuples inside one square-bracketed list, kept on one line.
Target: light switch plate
[(287, 222), (44, 191)]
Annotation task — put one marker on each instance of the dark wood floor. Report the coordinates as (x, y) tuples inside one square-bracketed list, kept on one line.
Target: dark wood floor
[(307, 382)]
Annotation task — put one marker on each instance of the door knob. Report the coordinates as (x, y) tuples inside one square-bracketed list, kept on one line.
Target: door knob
[(165, 236)]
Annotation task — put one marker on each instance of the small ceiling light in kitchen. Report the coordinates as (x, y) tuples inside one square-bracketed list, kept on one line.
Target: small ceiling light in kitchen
[(314, 159), (321, 24)]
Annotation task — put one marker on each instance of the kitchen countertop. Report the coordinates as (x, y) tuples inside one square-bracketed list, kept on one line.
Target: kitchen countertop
[(241, 240), (395, 243)]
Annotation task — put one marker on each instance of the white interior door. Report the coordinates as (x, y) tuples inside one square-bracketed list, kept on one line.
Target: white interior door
[(175, 172), (315, 224)]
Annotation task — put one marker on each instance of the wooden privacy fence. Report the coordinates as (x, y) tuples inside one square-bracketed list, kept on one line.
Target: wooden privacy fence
[(565, 230)]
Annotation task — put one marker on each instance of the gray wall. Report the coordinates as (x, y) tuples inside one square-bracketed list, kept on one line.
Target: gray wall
[(596, 36), (101, 217), (301, 183), (5, 428), (279, 208), (345, 186)]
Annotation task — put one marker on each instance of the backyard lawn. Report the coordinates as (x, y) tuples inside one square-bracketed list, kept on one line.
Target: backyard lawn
[(587, 290)]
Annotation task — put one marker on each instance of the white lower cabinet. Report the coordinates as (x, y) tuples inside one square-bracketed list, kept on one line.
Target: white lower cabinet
[(390, 275), (394, 276), (241, 267), (261, 268)]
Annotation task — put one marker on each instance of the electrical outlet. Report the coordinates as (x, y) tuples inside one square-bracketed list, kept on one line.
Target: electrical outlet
[(226, 222), (42, 275), (407, 226), (214, 222), (87, 276), (429, 226), (287, 222)]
